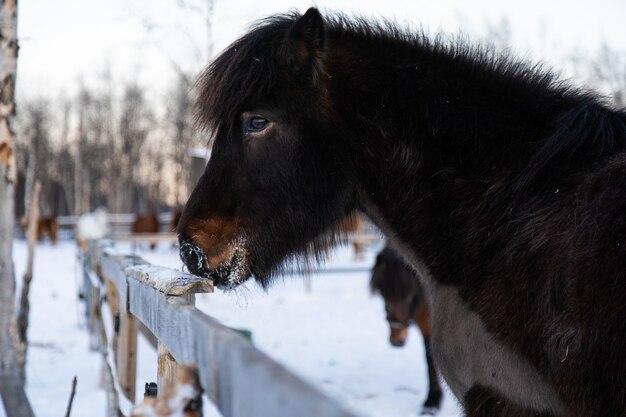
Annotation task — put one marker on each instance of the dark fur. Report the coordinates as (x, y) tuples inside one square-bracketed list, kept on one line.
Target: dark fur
[(146, 223), (46, 226), (505, 182), (406, 303)]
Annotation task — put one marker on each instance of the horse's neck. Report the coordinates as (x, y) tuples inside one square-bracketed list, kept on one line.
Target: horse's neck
[(454, 114), (431, 133)]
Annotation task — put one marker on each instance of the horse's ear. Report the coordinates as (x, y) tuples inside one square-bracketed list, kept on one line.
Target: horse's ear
[(304, 46)]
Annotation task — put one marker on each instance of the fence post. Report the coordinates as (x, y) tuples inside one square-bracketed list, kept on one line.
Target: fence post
[(167, 367), (124, 342), (127, 354)]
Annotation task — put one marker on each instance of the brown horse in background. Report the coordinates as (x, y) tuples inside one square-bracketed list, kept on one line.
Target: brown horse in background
[(406, 304), (46, 226), (146, 223)]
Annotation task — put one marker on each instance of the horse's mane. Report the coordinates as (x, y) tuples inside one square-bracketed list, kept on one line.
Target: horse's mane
[(587, 128), (240, 72), (399, 280)]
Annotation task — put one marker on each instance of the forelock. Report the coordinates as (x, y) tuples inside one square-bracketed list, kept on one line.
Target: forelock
[(245, 70)]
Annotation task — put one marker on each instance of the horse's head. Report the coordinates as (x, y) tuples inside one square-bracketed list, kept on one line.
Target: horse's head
[(401, 291), (277, 179)]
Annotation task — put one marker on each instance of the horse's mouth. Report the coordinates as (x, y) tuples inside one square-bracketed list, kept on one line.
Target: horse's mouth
[(225, 276)]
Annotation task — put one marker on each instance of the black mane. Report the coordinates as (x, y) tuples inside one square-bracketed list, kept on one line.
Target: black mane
[(583, 126), (393, 277), (222, 91)]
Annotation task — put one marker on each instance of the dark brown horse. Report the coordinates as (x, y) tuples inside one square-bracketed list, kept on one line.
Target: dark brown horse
[(502, 185), (406, 304), (46, 226), (146, 223)]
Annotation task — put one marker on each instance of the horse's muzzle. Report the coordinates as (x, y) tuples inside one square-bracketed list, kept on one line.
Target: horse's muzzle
[(226, 276), (398, 336)]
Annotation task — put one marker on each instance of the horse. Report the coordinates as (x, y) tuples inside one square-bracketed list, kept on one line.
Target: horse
[(46, 226), (406, 303), (501, 184), (146, 223)]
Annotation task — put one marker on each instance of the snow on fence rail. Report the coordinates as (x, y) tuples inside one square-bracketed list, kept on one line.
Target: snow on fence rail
[(239, 379)]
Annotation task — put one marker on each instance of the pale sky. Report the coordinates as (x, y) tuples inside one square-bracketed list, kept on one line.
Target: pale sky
[(64, 41)]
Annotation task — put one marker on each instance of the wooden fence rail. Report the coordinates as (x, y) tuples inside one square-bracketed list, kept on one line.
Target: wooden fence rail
[(239, 379)]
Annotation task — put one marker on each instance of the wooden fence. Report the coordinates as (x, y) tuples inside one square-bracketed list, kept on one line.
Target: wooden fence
[(124, 293)]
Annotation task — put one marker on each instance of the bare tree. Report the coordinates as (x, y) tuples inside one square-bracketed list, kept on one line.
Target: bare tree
[(81, 180), (135, 123), (8, 66), (24, 305), (180, 119), (35, 149), (64, 160), (608, 71), (94, 151), (152, 165), (499, 34), (15, 401), (605, 71)]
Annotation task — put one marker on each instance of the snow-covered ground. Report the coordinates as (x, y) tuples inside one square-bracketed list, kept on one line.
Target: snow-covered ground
[(332, 333)]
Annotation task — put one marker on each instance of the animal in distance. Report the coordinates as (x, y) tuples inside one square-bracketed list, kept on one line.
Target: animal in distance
[(146, 223), (406, 303)]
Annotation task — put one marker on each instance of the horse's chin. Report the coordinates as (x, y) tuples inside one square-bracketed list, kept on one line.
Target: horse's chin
[(233, 273)]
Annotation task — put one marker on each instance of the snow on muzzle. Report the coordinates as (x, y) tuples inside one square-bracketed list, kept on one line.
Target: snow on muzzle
[(226, 274)]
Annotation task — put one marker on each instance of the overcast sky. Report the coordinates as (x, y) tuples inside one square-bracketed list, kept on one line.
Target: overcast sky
[(64, 41)]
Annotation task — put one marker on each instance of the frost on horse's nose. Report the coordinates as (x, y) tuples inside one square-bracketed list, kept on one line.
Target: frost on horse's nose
[(193, 257)]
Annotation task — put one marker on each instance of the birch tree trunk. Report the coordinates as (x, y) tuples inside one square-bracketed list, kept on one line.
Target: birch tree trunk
[(24, 306), (8, 67), (11, 387)]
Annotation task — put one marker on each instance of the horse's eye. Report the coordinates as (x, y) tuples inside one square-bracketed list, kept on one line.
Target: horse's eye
[(254, 124)]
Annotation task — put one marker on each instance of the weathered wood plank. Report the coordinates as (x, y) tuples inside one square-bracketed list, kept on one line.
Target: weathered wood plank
[(167, 367), (146, 237), (126, 355), (169, 281), (124, 341), (113, 266)]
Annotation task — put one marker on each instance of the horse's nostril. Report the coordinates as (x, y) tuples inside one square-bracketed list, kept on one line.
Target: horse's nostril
[(192, 256), (189, 254)]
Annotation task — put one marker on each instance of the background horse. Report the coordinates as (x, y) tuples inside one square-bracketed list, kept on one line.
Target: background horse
[(146, 223), (501, 184), (46, 226), (405, 303)]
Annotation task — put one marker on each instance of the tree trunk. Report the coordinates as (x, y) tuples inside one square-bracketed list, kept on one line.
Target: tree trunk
[(11, 387), (8, 66), (24, 308)]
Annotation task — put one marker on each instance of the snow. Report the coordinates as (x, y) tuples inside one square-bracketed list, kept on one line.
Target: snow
[(329, 330), (93, 225), (59, 343)]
